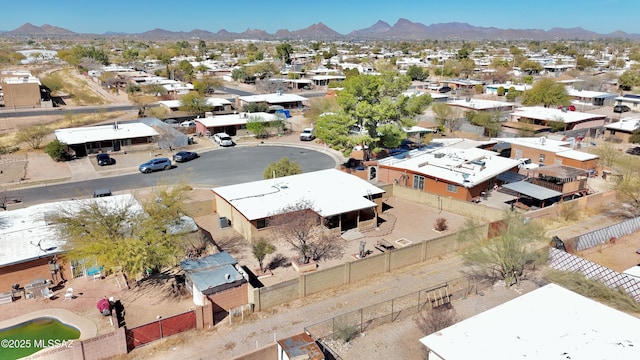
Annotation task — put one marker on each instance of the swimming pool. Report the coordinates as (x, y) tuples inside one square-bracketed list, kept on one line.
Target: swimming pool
[(34, 335)]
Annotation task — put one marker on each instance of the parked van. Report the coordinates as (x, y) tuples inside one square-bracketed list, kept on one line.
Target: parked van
[(101, 193)]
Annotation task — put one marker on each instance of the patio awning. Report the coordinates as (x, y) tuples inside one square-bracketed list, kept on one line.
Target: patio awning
[(511, 177), (532, 190)]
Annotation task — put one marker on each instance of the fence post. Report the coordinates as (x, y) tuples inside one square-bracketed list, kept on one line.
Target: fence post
[(160, 325), (361, 321)]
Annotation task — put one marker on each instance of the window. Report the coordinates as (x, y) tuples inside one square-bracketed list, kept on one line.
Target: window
[(541, 158), (261, 223), (452, 188), (418, 182)]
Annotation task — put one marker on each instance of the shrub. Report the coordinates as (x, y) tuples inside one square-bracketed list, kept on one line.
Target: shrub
[(345, 332), (56, 149), (33, 135), (441, 224)]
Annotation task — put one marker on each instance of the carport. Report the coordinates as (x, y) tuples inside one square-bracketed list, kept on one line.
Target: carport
[(533, 192)]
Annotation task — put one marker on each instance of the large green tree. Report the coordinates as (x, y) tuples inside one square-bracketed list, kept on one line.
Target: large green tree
[(194, 103), (284, 52), (122, 236), (547, 92)]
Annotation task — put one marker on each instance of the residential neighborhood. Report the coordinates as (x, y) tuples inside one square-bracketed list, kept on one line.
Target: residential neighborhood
[(257, 197)]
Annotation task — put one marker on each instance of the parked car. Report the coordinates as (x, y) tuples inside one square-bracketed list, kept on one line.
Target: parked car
[(223, 139), (188, 123), (444, 89), (105, 159), (101, 193), (183, 156), (155, 165), (621, 109), (171, 121), (307, 134), (569, 108)]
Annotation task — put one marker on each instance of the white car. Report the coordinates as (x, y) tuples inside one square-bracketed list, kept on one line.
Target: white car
[(223, 139), (307, 134), (188, 123)]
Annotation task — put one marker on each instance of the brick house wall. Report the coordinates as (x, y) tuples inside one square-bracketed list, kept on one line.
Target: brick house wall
[(25, 272)]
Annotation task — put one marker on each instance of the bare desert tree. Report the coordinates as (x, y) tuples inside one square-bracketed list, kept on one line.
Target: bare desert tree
[(300, 226)]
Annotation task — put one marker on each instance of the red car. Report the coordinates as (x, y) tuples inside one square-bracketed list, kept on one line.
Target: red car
[(570, 107)]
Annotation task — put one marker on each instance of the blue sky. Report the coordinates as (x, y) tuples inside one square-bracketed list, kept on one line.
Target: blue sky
[(132, 16)]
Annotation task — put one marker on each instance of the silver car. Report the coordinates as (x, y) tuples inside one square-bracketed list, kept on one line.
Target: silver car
[(155, 165)]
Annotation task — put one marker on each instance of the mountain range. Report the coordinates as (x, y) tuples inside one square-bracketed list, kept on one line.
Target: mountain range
[(403, 29)]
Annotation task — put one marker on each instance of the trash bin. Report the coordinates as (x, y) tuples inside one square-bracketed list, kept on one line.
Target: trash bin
[(223, 222)]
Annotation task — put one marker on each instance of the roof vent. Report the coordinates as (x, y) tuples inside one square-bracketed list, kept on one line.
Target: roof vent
[(227, 276)]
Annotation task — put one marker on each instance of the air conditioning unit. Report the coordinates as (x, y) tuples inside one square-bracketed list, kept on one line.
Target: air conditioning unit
[(224, 222)]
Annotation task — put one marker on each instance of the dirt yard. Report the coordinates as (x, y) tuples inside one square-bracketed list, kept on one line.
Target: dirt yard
[(619, 255)]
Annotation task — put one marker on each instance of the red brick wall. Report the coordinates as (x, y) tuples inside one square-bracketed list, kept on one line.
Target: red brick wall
[(23, 273)]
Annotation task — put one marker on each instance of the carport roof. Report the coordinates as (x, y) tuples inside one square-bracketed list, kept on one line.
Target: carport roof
[(532, 190)]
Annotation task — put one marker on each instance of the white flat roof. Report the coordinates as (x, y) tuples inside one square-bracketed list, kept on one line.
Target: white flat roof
[(235, 119), (481, 104), (628, 124), (82, 135), (330, 192), (23, 229), (551, 114), (559, 147), (586, 93), (547, 323), (272, 98), (467, 167), (209, 101)]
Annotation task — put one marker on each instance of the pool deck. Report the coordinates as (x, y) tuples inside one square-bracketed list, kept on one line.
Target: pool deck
[(88, 328)]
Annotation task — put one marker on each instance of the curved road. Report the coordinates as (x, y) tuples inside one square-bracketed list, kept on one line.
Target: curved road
[(213, 168)]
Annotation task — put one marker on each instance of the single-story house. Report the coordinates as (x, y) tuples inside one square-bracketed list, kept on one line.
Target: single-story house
[(550, 323), (493, 88), (344, 201), (631, 100), (232, 124), (218, 106), (217, 279), (287, 101), (104, 138), (482, 105), (545, 151), (589, 98), (573, 120), (460, 173), (623, 129), (29, 239)]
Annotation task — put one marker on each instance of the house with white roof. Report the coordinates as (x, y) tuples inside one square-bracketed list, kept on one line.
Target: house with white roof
[(29, 238), (550, 323), (573, 120), (217, 106), (493, 88), (589, 98), (104, 138), (544, 151), (342, 200), (482, 105), (287, 101), (461, 172), (232, 124), (623, 129)]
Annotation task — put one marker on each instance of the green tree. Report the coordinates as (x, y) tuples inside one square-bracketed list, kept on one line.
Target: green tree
[(547, 92), (125, 236), (417, 73), (56, 149), (282, 167), (530, 67), (185, 71), (505, 255), (284, 52), (206, 84), (260, 249), (584, 63), (33, 135), (194, 103), (333, 129), (257, 126), (391, 136), (629, 79)]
